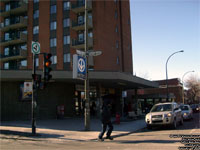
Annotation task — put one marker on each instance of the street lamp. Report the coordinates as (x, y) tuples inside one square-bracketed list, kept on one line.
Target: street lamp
[(167, 73), (183, 84)]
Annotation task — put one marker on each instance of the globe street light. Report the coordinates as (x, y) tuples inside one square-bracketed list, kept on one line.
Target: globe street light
[(167, 73), (183, 84)]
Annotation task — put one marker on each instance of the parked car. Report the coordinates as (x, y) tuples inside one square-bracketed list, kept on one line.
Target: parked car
[(186, 112), (164, 114), (195, 108)]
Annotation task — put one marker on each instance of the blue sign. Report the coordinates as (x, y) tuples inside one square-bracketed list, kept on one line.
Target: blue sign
[(81, 66)]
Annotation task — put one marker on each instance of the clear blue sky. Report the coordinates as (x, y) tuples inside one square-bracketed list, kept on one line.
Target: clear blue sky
[(160, 28)]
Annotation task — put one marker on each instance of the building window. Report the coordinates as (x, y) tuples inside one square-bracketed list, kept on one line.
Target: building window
[(116, 15), (24, 46), (35, 29), (53, 42), (54, 59), (35, 1), (53, 25), (66, 39), (89, 16), (90, 34), (7, 36), (116, 29), (117, 44), (66, 22), (6, 51), (66, 58), (7, 7), (66, 6), (24, 63), (37, 62), (53, 9), (81, 37), (118, 60), (6, 65), (7, 21), (36, 14), (80, 20), (24, 31)]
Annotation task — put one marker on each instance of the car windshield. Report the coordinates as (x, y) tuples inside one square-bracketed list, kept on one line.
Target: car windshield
[(159, 108), (184, 108)]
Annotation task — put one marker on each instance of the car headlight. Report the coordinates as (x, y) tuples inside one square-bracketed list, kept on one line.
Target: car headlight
[(148, 116), (185, 114), (168, 115)]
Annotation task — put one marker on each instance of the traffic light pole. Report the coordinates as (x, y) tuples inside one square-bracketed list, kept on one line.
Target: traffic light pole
[(87, 101), (33, 98)]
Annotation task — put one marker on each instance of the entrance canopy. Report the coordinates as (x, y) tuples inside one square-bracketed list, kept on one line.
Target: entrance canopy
[(105, 78)]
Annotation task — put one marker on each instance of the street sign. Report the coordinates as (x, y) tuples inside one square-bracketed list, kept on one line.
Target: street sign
[(79, 67), (94, 53), (28, 89), (35, 47), (80, 53), (90, 53)]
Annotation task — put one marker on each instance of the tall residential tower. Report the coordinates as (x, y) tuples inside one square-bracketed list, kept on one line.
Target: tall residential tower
[(59, 28)]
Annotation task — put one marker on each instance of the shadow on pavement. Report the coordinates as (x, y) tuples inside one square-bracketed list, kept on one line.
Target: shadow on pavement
[(28, 134)]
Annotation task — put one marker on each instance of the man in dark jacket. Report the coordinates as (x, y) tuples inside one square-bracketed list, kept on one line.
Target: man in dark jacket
[(106, 121)]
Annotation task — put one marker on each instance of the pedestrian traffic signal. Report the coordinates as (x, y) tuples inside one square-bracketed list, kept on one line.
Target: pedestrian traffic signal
[(37, 80), (47, 67)]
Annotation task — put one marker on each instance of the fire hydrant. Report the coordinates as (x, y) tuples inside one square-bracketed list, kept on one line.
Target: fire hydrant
[(117, 119)]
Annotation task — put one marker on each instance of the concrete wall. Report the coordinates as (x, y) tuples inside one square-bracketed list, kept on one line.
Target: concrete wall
[(12, 108)]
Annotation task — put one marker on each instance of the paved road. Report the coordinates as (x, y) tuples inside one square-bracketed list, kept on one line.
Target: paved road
[(157, 139)]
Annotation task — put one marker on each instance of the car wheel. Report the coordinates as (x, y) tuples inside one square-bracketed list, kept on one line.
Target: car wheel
[(181, 121), (174, 124)]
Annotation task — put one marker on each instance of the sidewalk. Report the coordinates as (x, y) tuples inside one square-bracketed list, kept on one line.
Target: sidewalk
[(66, 129)]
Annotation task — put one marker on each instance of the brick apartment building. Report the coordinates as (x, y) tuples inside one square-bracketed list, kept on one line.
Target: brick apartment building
[(59, 28)]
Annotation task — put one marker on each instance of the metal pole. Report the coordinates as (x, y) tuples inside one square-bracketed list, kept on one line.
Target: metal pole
[(167, 73), (87, 101), (183, 85), (33, 98)]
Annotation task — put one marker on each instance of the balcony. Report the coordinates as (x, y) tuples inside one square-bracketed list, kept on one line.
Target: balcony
[(20, 8), (81, 26), (15, 40), (20, 54), (21, 24), (80, 6), (76, 44)]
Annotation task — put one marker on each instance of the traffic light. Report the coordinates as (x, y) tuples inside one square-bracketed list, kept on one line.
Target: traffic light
[(47, 67)]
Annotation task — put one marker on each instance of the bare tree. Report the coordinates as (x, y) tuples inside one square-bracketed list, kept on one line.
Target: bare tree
[(193, 85)]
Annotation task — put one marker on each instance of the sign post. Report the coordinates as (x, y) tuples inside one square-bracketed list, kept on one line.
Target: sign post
[(35, 48)]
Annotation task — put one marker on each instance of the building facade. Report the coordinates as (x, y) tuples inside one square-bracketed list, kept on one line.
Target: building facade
[(59, 28), (146, 98)]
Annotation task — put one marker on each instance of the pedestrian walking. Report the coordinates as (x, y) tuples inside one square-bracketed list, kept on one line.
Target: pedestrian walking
[(106, 120)]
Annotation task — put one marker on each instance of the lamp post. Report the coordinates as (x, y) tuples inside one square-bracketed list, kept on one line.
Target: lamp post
[(167, 72), (183, 84), (87, 101)]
